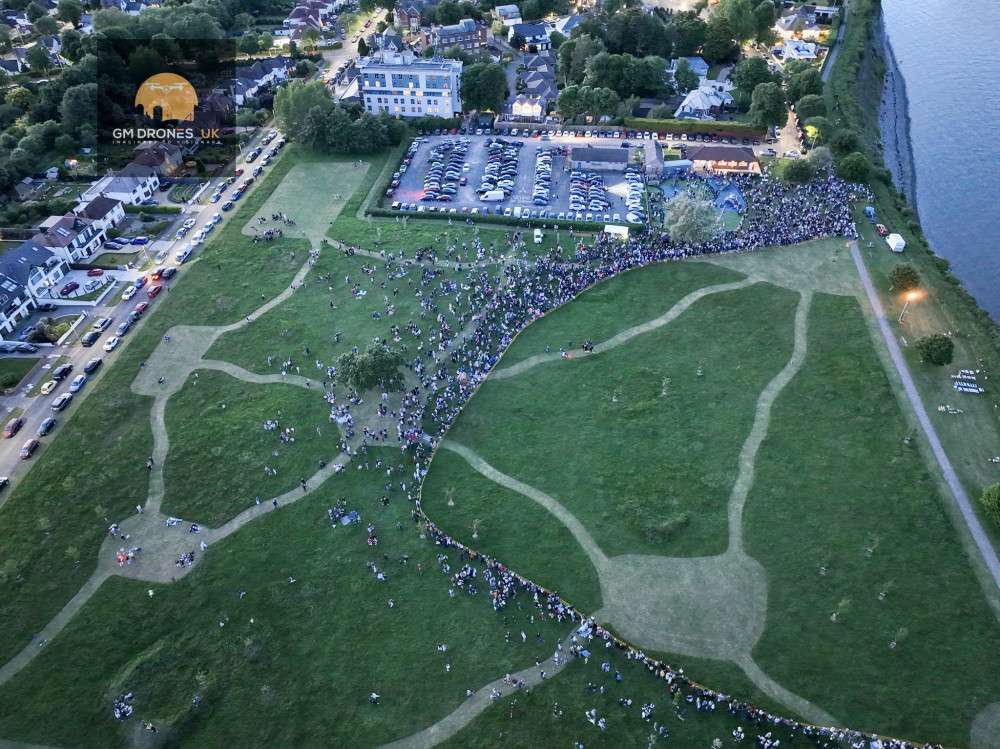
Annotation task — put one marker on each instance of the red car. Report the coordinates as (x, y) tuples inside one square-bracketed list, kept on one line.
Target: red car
[(238, 172), (95, 272), (29, 447), (69, 288), (13, 427), (154, 290), (141, 307)]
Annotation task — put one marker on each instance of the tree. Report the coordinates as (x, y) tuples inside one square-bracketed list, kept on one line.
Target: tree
[(739, 18), (808, 82), (362, 47), (767, 105), (20, 97), (310, 36), (810, 105), (71, 45), (248, 44), (799, 172), (820, 159), (5, 42), (855, 167), (46, 26), (241, 21), (690, 33), (377, 366), (34, 11), (69, 11), (685, 79), (556, 39), (38, 59), (688, 220), (990, 501), (517, 40), (845, 141), (79, 107), (720, 41), (294, 101), (750, 73), (484, 87), (570, 102), (937, 349), (904, 277), (661, 112), (764, 16)]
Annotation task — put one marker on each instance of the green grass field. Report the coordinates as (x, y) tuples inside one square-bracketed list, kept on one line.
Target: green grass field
[(629, 440), (13, 369)]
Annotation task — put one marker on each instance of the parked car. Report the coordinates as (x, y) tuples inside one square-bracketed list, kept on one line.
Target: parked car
[(141, 307), (48, 307), (112, 343), (169, 273), (154, 290), (89, 339), (112, 245), (26, 348), (46, 426), (93, 365), (140, 240), (61, 401), (29, 448), (95, 272), (13, 427), (78, 382), (48, 387), (122, 329), (69, 288), (62, 372), (130, 292)]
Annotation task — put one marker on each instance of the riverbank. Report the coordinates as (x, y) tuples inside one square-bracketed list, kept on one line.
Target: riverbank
[(894, 120)]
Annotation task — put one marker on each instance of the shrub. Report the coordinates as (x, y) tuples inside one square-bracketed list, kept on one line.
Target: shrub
[(904, 277), (937, 349), (991, 502)]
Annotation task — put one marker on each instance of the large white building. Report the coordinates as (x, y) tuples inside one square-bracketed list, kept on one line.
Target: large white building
[(408, 86)]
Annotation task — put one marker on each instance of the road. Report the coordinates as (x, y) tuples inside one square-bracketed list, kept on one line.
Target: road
[(38, 408), (831, 58), (958, 494)]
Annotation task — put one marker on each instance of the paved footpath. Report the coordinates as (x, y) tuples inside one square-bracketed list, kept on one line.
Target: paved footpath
[(961, 499)]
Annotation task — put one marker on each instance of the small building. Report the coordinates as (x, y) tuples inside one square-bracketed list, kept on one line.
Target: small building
[(528, 107), (52, 172), (508, 15), (896, 242), (536, 36), (26, 189), (653, 158), (707, 102), (677, 167), (724, 159), (163, 158), (795, 49), (466, 34), (589, 159)]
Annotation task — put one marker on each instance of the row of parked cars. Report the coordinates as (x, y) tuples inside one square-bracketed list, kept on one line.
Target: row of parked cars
[(587, 193), (443, 177), (543, 177), (500, 170), (634, 199)]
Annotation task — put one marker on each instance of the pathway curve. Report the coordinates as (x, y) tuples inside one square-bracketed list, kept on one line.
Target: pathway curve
[(669, 316), (474, 706), (961, 499), (175, 360), (761, 422)]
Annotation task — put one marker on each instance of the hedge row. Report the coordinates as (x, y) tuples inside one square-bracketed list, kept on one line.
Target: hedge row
[(478, 218), (694, 126)]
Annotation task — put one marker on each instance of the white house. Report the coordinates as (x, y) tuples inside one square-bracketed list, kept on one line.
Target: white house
[(508, 15), (536, 36), (529, 107), (794, 49), (403, 84), (706, 102), (27, 272), (104, 212), (71, 237), (131, 185)]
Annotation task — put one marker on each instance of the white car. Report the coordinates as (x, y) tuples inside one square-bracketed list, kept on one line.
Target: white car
[(189, 223), (130, 292), (112, 343)]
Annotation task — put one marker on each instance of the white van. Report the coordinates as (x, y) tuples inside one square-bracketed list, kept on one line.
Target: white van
[(492, 196), (517, 212), (183, 253), (538, 236)]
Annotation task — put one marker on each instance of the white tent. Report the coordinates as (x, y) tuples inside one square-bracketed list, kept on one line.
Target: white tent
[(616, 231), (896, 243)]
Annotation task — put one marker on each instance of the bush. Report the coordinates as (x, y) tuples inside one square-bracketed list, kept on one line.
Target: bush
[(904, 277), (991, 502), (799, 172), (937, 349), (694, 126), (8, 381), (855, 167)]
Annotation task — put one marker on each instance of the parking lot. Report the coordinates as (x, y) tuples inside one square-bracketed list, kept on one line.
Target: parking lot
[(531, 170)]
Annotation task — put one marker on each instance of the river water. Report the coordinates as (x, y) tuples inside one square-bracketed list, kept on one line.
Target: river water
[(949, 56)]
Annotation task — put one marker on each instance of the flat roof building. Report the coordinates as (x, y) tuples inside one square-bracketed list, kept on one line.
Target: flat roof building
[(599, 159), (408, 86)]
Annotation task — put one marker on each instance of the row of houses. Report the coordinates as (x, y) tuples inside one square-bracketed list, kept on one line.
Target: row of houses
[(16, 61)]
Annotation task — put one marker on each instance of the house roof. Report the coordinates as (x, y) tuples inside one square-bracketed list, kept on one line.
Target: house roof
[(721, 153), (507, 10), (97, 208), (139, 171), (17, 262), (540, 84), (530, 30), (607, 155), (525, 99), (702, 100), (63, 231)]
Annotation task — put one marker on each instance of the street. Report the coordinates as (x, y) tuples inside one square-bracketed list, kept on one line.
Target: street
[(38, 408)]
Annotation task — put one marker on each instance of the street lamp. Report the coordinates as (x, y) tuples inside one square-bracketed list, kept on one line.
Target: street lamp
[(911, 297)]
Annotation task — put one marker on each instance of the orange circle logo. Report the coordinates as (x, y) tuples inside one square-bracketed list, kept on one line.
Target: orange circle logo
[(175, 97)]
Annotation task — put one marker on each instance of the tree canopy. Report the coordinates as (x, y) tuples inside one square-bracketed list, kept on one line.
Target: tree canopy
[(799, 172), (767, 105), (937, 349), (855, 167), (685, 79), (990, 500), (484, 87), (904, 277), (378, 366), (689, 220), (574, 101), (752, 72)]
